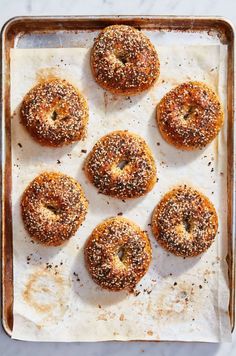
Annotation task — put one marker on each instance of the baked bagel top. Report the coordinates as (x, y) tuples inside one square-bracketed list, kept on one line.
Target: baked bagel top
[(121, 165), (124, 61), (185, 222), (190, 116), (53, 207), (55, 113), (118, 254)]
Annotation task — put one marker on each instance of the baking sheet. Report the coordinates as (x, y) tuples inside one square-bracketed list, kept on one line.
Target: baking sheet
[(178, 299)]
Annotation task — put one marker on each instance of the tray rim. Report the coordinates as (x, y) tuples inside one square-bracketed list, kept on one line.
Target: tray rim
[(189, 26)]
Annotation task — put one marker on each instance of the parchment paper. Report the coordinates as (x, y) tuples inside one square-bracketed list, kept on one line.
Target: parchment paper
[(178, 299)]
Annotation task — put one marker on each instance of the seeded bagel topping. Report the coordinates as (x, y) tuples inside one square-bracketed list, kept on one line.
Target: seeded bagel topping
[(118, 254), (185, 222), (55, 113), (124, 61), (53, 207), (190, 116), (121, 165)]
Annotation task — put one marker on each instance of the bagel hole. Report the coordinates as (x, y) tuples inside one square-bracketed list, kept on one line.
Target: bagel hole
[(122, 59), (121, 253), (187, 224), (189, 112), (52, 209), (54, 115), (122, 164)]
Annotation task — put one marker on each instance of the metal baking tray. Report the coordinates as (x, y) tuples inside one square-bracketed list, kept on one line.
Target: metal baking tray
[(35, 32)]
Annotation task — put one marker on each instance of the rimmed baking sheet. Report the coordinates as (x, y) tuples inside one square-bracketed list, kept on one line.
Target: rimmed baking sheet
[(161, 302)]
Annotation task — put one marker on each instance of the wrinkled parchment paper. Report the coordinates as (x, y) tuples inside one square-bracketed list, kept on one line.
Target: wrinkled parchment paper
[(178, 299)]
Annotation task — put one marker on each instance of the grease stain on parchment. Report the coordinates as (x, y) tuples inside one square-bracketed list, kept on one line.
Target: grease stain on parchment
[(45, 293), (48, 73), (175, 303), (105, 316)]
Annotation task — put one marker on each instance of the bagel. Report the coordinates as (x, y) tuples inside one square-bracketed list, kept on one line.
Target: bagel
[(117, 254), (190, 116), (121, 165), (185, 222), (53, 207), (55, 113), (124, 61)]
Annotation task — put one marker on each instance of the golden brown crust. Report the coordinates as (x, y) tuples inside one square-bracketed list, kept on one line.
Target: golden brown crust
[(55, 113), (124, 61), (190, 116), (53, 207), (121, 165), (185, 222), (117, 254)]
